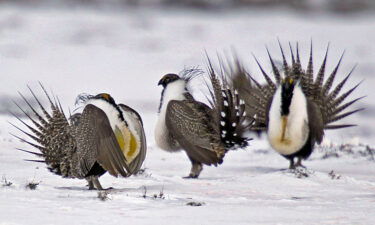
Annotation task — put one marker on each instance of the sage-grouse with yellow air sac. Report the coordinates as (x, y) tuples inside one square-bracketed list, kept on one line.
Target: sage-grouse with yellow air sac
[(204, 133), (297, 108), (105, 137)]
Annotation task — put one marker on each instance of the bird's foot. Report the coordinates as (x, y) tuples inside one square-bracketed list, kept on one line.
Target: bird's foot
[(196, 169), (191, 176), (299, 166), (299, 163), (101, 189)]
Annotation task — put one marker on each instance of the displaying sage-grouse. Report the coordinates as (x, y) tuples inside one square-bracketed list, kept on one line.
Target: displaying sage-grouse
[(104, 137), (296, 109), (204, 133)]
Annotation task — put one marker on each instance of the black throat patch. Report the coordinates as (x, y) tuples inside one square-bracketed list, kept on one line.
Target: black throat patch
[(161, 99), (286, 97), (120, 115)]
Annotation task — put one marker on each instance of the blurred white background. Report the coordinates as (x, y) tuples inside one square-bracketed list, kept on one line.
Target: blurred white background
[(124, 47)]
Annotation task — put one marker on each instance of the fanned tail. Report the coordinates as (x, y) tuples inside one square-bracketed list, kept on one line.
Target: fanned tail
[(229, 111), (50, 132), (327, 97), (257, 96), (331, 103)]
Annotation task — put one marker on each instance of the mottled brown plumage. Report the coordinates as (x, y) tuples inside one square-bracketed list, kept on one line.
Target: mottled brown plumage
[(204, 132), (86, 145)]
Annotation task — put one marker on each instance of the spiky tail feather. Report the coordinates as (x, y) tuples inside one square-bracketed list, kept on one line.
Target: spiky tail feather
[(316, 88), (50, 132), (229, 111)]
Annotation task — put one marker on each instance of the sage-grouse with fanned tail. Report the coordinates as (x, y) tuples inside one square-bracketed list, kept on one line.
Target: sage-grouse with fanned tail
[(204, 133), (297, 108), (104, 137)]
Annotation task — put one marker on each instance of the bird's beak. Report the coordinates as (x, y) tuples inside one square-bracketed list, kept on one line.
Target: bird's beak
[(161, 82), (288, 83)]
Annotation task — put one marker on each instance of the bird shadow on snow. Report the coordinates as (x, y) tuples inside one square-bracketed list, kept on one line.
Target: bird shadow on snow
[(256, 169), (75, 188), (265, 169)]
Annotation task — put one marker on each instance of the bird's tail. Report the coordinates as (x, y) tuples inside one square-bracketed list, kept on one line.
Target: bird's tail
[(49, 133), (229, 111)]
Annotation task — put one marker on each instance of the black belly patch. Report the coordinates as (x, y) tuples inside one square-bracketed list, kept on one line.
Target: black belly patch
[(96, 170)]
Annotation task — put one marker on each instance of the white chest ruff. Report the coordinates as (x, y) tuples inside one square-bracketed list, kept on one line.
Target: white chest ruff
[(163, 139), (293, 137), (109, 110)]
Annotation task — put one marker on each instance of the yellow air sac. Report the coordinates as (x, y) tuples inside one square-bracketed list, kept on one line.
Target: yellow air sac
[(128, 143)]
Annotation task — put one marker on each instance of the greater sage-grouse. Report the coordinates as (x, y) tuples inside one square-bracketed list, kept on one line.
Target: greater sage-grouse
[(204, 133), (297, 108), (105, 137)]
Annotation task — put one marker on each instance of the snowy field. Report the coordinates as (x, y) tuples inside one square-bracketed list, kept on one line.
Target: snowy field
[(125, 52)]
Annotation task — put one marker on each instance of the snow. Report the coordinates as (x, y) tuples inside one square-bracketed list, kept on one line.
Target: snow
[(125, 52)]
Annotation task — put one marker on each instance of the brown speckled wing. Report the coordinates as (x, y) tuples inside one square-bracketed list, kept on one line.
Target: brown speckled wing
[(190, 123), (96, 142)]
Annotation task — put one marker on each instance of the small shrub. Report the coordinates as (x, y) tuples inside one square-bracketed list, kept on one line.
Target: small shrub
[(195, 203), (5, 182), (103, 195), (333, 175), (32, 185), (301, 172), (154, 196)]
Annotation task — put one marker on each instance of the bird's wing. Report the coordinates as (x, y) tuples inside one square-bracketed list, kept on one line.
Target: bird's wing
[(190, 124), (316, 125), (96, 142), (136, 121)]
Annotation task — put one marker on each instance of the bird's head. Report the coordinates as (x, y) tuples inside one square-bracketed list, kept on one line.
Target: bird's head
[(106, 97), (287, 88), (168, 78), (84, 99)]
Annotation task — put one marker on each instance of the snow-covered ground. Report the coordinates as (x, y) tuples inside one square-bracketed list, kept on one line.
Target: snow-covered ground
[(125, 52)]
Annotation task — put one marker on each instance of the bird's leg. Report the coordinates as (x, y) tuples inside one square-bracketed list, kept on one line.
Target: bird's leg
[(97, 184), (90, 183), (299, 163), (292, 166), (196, 168)]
